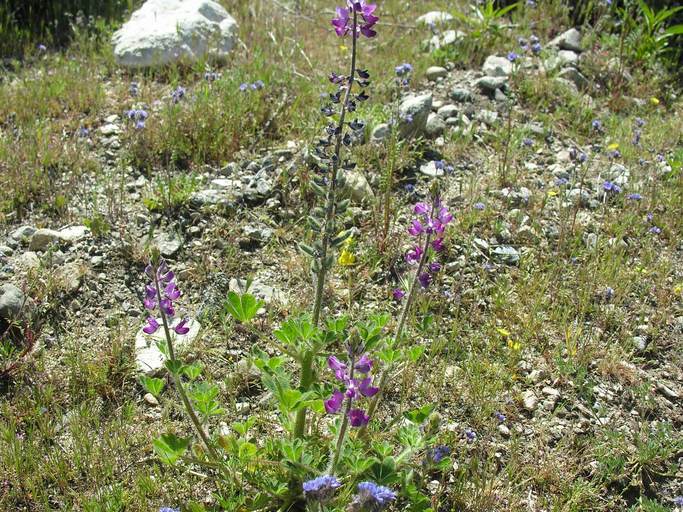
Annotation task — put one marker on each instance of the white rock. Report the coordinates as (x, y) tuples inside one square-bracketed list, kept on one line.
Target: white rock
[(435, 125), (414, 112), (497, 66), (448, 111), (149, 359), (74, 233), (357, 187), (569, 40), (434, 17), (164, 31), (435, 72), (429, 169)]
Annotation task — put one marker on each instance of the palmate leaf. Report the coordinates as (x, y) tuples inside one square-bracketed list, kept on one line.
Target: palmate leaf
[(242, 307), (170, 447)]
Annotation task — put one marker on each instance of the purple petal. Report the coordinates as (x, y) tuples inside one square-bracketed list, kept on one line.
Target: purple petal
[(333, 405), (358, 418), (366, 388), (364, 364), (152, 326), (182, 328)]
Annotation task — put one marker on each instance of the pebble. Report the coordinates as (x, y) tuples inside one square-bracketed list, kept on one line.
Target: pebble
[(435, 72), (151, 399), (529, 400)]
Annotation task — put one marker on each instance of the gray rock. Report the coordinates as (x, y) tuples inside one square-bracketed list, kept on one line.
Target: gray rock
[(529, 400), (506, 254), (43, 238), (357, 187), (448, 111), (380, 133), (667, 391), (414, 112), (70, 275), (435, 125), (574, 76), (448, 38), (259, 290), (6, 250), (12, 301), (434, 18), (488, 117), (74, 233), (563, 58), (23, 233), (591, 240), (168, 244), (435, 72), (210, 197), (497, 66), (165, 31), (461, 95), (430, 169), (639, 342), (569, 40), (109, 129), (28, 261), (489, 84), (148, 358)]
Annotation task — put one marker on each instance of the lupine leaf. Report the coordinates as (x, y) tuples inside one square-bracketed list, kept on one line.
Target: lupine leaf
[(170, 447)]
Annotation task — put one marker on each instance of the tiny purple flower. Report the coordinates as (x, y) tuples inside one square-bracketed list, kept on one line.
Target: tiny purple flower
[(655, 230), (152, 325), (479, 206), (358, 418), (437, 244), (182, 328), (470, 435), (244, 87), (512, 56), (634, 197), (500, 416), (321, 489), (372, 497), (398, 294), (596, 124), (334, 403), (425, 279)]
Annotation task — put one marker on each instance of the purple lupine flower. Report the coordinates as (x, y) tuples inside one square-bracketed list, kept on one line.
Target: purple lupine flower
[(372, 497), (178, 94), (634, 197), (364, 364), (425, 279), (596, 124), (654, 230), (479, 206), (527, 142), (500, 416), (512, 56), (182, 328), (434, 267), (416, 228), (358, 418), (334, 404), (421, 208), (321, 489), (152, 325), (343, 22), (437, 244), (414, 255), (356, 388), (398, 294), (166, 305)]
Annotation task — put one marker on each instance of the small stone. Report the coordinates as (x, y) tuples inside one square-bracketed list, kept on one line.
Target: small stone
[(413, 114), (489, 84), (447, 111), (497, 66), (151, 399), (357, 187), (23, 233), (573, 75), (434, 17), (461, 95), (435, 125), (380, 133), (504, 431), (168, 244), (12, 301), (69, 276), (43, 238), (109, 129), (552, 392), (506, 254), (529, 400), (667, 391), (569, 40), (429, 169), (488, 117), (28, 261), (435, 72), (639, 342)]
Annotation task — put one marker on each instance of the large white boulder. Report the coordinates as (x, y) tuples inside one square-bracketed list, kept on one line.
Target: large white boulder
[(164, 31)]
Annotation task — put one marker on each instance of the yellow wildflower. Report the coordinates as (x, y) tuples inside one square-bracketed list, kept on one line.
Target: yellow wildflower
[(514, 345), (613, 146), (503, 332), (346, 258), (654, 101)]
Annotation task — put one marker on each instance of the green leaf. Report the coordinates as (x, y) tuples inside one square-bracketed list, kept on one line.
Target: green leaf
[(170, 447), (415, 352), (152, 385), (247, 451), (242, 307), (192, 371), (676, 30), (175, 366), (418, 416)]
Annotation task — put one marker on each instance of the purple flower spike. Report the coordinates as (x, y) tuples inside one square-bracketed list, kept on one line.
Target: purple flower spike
[(152, 326), (398, 294), (334, 404), (182, 328), (416, 228), (358, 418), (337, 367), (167, 307), (437, 244), (414, 254), (434, 267), (172, 291), (372, 497), (425, 279), (421, 209)]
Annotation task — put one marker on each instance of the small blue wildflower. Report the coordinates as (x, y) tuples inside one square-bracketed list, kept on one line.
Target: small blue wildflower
[(439, 165), (636, 137), (321, 489), (634, 197), (500, 416), (438, 453), (561, 181), (169, 509), (83, 132), (512, 56), (536, 48), (527, 142), (678, 501), (649, 217), (582, 157), (139, 116), (178, 94), (534, 39), (614, 154), (639, 121), (408, 118), (596, 124), (403, 69), (470, 435), (211, 76), (42, 48), (660, 158), (372, 497), (479, 206), (655, 230), (244, 87), (409, 187), (258, 85), (608, 186)]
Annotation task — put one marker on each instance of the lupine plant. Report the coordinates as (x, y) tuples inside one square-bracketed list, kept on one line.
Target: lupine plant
[(357, 19)]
